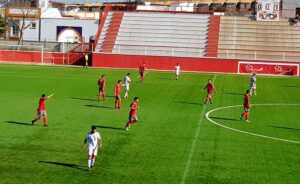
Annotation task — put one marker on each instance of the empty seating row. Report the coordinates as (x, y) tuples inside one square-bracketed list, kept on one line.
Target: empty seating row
[(162, 34)]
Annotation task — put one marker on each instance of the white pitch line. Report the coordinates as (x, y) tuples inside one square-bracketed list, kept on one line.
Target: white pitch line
[(188, 163), (249, 133)]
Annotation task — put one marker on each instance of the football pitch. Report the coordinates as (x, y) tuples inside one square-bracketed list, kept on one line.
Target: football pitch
[(177, 138)]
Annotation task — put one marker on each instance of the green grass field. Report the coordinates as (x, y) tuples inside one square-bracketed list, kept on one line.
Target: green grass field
[(172, 143)]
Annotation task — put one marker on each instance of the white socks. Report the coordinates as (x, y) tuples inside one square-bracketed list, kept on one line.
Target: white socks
[(92, 162), (89, 163)]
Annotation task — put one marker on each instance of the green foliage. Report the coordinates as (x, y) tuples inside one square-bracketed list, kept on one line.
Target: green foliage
[(2, 25), (158, 147)]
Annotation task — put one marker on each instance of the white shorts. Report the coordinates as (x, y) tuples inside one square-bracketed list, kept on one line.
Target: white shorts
[(93, 151), (42, 113), (253, 86), (127, 87), (177, 73)]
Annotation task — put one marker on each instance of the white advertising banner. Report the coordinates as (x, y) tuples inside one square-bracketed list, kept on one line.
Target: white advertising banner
[(268, 10)]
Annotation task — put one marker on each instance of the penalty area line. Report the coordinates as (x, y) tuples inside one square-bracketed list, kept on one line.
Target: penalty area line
[(191, 153), (250, 133)]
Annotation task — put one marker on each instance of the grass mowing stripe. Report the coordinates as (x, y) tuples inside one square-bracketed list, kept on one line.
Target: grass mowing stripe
[(188, 163)]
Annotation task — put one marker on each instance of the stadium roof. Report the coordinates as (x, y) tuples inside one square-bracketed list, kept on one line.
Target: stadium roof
[(93, 1), (162, 1)]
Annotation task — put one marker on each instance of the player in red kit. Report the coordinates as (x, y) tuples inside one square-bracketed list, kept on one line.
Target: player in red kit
[(210, 89), (246, 106), (132, 114), (142, 70), (101, 84), (42, 110), (118, 94)]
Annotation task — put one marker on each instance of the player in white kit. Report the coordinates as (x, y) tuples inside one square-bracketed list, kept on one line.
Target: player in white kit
[(177, 71), (94, 141), (253, 85), (127, 81)]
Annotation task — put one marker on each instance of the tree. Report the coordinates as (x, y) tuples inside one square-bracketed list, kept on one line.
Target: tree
[(24, 9), (2, 26)]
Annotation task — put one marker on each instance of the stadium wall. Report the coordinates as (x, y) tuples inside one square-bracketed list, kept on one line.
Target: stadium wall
[(32, 57), (165, 63), (214, 65)]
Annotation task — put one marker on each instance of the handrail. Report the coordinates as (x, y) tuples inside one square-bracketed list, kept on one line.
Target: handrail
[(160, 46), (260, 50), (103, 18)]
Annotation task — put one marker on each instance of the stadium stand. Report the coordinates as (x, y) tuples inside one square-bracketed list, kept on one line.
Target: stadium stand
[(241, 38), (158, 34)]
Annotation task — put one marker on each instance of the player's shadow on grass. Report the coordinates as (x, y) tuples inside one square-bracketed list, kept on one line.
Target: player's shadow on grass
[(222, 118), (291, 86), (191, 103), (239, 94), (74, 166), (18, 123), (109, 127), (282, 127), (100, 106), (86, 99)]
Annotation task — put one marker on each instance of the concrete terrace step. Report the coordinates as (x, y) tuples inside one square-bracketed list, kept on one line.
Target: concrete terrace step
[(166, 31)]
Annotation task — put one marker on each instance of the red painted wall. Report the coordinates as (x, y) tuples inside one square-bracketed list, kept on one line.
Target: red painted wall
[(168, 63), (165, 63)]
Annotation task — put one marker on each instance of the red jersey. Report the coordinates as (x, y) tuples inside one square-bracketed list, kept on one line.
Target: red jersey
[(42, 104), (134, 108), (118, 89), (101, 83), (142, 69), (247, 101), (210, 88)]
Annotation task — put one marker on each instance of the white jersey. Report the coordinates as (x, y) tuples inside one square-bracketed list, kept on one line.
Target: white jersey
[(92, 139), (253, 81), (127, 80), (177, 69)]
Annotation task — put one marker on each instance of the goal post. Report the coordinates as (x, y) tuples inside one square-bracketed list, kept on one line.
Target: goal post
[(24, 54)]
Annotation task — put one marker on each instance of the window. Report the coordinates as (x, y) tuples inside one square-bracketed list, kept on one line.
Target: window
[(14, 30), (32, 25), (33, 3)]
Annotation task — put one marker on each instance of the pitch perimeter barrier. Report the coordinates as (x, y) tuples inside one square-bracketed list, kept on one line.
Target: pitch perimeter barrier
[(212, 65)]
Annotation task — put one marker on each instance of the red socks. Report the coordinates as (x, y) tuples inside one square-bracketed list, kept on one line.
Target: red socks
[(45, 120), (117, 104)]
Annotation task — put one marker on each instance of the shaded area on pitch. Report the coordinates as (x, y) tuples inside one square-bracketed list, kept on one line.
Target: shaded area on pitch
[(74, 166), (99, 106), (18, 123), (283, 127), (109, 127)]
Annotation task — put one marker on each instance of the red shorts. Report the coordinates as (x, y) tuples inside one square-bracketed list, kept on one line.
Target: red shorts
[(101, 89)]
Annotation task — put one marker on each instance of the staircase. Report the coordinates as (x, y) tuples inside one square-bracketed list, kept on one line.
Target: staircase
[(213, 36), (110, 31)]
